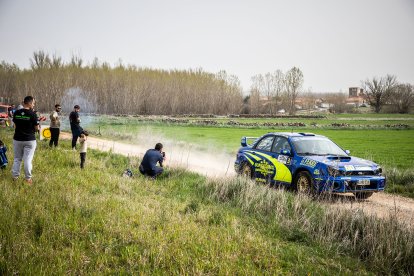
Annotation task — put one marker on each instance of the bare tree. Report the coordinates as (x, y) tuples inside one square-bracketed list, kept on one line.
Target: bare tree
[(76, 61), (293, 82), (254, 101), (378, 91), (270, 86), (40, 60), (279, 87), (402, 98), (56, 62)]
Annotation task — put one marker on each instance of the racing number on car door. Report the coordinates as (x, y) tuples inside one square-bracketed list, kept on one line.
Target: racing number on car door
[(281, 152)]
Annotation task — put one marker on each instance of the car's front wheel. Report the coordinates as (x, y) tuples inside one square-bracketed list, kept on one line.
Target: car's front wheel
[(363, 195), (304, 183)]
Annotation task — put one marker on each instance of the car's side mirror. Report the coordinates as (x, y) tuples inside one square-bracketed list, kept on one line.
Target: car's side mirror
[(285, 152), (348, 152), (244, 142)]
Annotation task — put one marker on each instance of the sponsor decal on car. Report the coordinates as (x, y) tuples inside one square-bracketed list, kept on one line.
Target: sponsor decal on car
[(349, 167), (264, 168), (308, 162), (363, 168), (283, 159)]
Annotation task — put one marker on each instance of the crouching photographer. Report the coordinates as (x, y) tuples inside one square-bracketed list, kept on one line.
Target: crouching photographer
[(149, 166)]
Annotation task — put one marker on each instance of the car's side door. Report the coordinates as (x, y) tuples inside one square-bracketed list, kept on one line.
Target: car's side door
[(263, 166), (282, 151)]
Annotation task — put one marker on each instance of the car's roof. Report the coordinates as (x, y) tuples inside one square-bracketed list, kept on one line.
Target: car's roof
[(295, 134)]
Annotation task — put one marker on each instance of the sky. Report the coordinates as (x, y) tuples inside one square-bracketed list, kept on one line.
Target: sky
[(336, 44)]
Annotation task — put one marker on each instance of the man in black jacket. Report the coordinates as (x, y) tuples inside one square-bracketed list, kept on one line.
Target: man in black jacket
[(149, 162), (75, 125)]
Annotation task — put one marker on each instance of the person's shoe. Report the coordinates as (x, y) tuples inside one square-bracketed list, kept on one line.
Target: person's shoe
[(29, 181), (15, 178), (74, 149)]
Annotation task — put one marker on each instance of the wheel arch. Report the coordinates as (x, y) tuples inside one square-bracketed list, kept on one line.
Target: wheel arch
[(298, 170)]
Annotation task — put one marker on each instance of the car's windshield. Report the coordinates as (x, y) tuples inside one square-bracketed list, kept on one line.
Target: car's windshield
[(3, 109), (316, 146)]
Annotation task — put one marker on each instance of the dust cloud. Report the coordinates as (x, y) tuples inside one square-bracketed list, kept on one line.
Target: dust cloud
[(210, 162)]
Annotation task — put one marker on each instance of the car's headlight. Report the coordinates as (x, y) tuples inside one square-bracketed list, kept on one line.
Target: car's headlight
[(378, 171), (334, 171)]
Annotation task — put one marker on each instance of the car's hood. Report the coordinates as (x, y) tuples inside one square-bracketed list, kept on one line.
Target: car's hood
[(345, 162)]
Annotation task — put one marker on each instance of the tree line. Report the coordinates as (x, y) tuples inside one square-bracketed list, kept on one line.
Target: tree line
[(279, 89), (127, 89), (120, 89), (275, 91)]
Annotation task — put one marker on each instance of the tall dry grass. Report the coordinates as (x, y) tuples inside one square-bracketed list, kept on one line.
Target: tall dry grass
[(387, 245)]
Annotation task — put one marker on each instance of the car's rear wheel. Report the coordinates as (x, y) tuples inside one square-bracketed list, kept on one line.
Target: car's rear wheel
[(304, 183), (363, 195), (246, 170)]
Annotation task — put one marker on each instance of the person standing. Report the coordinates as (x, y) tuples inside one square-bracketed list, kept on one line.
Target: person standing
[(55, 126), (83, 141), (149, 162), (75, 125), (10, 114), (24, 139)]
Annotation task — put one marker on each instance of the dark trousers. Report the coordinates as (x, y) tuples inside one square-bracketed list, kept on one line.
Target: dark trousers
[(54, 139), (75, 137), (151, 173), (76, 132), (83, 159)]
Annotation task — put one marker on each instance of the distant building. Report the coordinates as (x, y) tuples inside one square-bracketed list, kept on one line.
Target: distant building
[(356, 97), (355, 92)]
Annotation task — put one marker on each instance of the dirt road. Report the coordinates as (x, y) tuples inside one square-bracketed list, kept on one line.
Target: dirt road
[(212, 164), (216, 164)]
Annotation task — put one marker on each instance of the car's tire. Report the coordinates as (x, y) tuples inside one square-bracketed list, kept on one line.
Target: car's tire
[(363, 195), (303, 183), (246, 170)]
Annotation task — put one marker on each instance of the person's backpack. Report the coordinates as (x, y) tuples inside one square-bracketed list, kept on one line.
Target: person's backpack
[(127, 173)]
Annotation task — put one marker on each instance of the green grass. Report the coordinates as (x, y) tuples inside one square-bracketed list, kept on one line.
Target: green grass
[(94, 221), (74, 221)]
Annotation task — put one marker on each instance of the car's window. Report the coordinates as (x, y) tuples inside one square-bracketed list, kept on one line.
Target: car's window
[(316, 146), (281, 143), (265, 143)]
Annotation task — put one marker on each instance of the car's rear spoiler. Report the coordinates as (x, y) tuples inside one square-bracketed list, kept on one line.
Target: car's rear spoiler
[(245, 141)]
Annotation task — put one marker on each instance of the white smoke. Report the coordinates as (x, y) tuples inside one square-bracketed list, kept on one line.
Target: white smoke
[(210, 162), (76, 96)]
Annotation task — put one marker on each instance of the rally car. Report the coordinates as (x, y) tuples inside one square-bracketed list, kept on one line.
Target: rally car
[(309, 163)]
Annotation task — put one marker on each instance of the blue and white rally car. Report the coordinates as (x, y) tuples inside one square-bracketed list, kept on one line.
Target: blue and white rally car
[(308, 163)]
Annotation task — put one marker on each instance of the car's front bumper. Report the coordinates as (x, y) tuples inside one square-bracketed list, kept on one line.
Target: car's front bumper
[(353, 184)]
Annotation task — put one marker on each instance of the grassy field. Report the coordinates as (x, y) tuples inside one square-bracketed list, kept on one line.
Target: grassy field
[(74, 221), (390, 147)]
